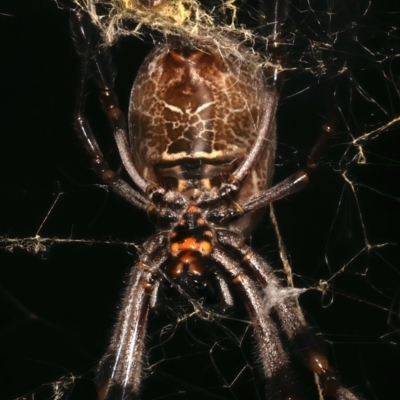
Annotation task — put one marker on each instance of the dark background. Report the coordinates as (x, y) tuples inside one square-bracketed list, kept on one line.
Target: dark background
[(57, 306)]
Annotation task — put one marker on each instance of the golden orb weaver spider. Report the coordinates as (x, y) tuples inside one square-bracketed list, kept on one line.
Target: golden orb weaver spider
[(200, 152)]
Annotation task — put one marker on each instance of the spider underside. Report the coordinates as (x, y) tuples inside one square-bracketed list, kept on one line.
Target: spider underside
[(200, 151)]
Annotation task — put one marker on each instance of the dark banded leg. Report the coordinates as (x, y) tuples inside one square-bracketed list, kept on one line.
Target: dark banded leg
[(272, 355), (296, 181), (310, 350), (97, 64), (290, 185), (281, 190), (307, 346), (120, 370)]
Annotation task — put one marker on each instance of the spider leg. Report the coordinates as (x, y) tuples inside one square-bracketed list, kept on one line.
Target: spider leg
[(290, 185), (227, 299), (266, 127), (296, 181), (272, 354), (103, 74), (276, 13), (119, 372), (303, 340)]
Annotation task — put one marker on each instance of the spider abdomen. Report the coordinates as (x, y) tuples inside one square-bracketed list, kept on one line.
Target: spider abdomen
[(194, 116)]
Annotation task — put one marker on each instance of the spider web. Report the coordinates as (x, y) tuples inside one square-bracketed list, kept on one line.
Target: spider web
[(67, 243)]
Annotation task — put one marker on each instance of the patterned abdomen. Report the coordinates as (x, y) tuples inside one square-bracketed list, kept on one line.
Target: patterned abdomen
[(194, 116)]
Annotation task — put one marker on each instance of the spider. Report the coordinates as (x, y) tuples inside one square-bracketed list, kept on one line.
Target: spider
[(200, 152)]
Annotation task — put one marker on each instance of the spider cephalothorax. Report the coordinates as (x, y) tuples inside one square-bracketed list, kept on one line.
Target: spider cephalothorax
[(200, 152)]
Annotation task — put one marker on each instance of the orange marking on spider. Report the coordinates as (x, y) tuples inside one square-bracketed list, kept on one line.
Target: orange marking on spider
[(191, 244), (193, 209), (194, 267), (146, 285), (188, 258), (188, 263)]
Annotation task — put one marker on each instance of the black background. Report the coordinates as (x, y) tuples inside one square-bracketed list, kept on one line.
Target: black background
[(57, 307)]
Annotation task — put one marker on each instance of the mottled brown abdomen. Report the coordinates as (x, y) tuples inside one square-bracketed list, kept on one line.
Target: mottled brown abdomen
[(198, 103)]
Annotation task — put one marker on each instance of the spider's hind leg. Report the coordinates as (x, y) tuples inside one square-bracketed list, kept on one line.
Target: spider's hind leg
[(290, 185), (97, 64)]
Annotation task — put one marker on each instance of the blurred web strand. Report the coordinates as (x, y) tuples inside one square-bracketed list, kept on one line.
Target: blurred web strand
[(38, 245), (369, 136), (360, 158), (185, 18), (60, 389)]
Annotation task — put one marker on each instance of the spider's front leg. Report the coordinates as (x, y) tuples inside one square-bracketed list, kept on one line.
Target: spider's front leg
[(120, 370), (305, 344), (281, 383)]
